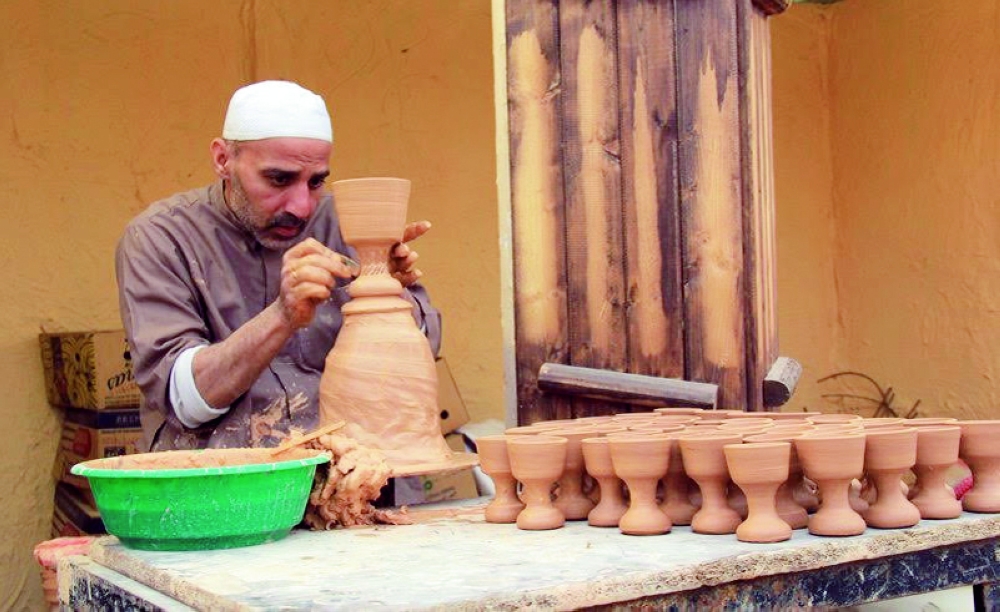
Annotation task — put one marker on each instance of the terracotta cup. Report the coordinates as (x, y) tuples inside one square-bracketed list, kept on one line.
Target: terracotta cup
[(677, 487), (679, 410), (881, 422), (832, 461), (789, 416), (790, 511), (641, 461), (825, 419), (597, 460), (570, 499), (889, 454), (537, 462), (937, 450), (980, 450), (759, 469), (493, 458), (931, 422), (705, 462)]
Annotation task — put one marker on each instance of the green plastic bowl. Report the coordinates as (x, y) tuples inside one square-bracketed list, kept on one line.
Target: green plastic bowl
[(202, 499)]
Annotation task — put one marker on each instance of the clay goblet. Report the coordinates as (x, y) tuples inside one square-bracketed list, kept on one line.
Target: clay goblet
[(641, 460), (705, 463), (495, 462), (677, 487), (937, 450), (979, 449), (570, 499), (788, 509), (537, 462), (832, 462), (597, 460), (759, 469), (890, 453)]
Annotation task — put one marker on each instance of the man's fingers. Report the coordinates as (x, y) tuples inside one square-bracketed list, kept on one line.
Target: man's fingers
[(415, 230)]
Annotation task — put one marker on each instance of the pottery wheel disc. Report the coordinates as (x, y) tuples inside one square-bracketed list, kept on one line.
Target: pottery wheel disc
[(454, 463)]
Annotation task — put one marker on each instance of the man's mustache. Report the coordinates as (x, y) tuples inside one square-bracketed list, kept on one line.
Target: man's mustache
[(287, 219)]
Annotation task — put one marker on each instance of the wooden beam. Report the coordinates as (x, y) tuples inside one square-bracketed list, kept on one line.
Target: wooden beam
[(638, 389)]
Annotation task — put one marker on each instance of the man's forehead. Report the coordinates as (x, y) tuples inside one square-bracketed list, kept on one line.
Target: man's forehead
[(288, 152)]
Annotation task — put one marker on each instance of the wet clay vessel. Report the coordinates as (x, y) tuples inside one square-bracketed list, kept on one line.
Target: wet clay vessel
[(937, 450), (597, 460), (981, 451), (380, 377), (641, 460), (705, 463), (505, 505), (890, 453), (759, 469), (537, 462), (832, 461)]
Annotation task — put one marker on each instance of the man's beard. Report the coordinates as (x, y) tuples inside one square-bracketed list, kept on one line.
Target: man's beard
[(257, 224)]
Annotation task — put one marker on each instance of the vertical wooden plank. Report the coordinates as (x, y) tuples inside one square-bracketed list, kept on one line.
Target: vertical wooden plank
[(758, 172), (709, 156), (538, 222), (648, 90), (592, 180)]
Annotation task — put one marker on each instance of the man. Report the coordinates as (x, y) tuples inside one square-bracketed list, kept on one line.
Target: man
[(230, 294)]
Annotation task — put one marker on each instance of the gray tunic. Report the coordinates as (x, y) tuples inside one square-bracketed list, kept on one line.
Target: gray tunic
[(188, 275)]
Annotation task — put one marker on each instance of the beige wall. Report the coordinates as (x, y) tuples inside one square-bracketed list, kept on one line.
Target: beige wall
[(887, 121), (112, 104)]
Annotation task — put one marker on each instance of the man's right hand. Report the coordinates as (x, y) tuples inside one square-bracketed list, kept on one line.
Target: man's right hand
[(308, 273)]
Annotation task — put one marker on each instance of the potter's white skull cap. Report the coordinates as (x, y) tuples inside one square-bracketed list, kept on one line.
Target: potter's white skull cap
[(276, 109)]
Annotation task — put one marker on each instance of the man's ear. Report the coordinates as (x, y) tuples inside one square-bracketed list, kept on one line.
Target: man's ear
[(221, 154)]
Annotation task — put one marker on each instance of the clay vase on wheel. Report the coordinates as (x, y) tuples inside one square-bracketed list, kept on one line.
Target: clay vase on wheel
[(889, 454), (380, 376), (705, 463), (641, 461), (981, 451), (832, 462), (494, 461), (597, 460), (759, 469), (537, 462), (937, 450)]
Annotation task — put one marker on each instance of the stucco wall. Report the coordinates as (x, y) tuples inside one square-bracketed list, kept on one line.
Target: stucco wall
[(887, 129), (106, 106), (915, 93)]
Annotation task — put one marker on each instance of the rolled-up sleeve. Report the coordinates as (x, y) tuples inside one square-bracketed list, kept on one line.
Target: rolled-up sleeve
[(428, 317)]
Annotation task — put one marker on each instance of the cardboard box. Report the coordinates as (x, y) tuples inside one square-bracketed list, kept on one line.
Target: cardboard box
[(74, 514), (91, 369), (453, 412), (431, 488), (95, 434)]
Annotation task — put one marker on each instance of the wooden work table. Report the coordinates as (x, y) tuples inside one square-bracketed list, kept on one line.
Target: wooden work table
[(452, 559)]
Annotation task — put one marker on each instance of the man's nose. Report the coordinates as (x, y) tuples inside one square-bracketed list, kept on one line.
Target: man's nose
[(299, 201)]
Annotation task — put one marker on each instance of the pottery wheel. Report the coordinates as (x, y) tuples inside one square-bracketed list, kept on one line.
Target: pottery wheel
[(453, 463)]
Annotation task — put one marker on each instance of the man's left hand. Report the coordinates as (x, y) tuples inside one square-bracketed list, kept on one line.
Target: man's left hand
[(402, 259)]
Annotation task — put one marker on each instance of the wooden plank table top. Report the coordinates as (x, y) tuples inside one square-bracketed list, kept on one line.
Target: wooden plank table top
[(452, 559)]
